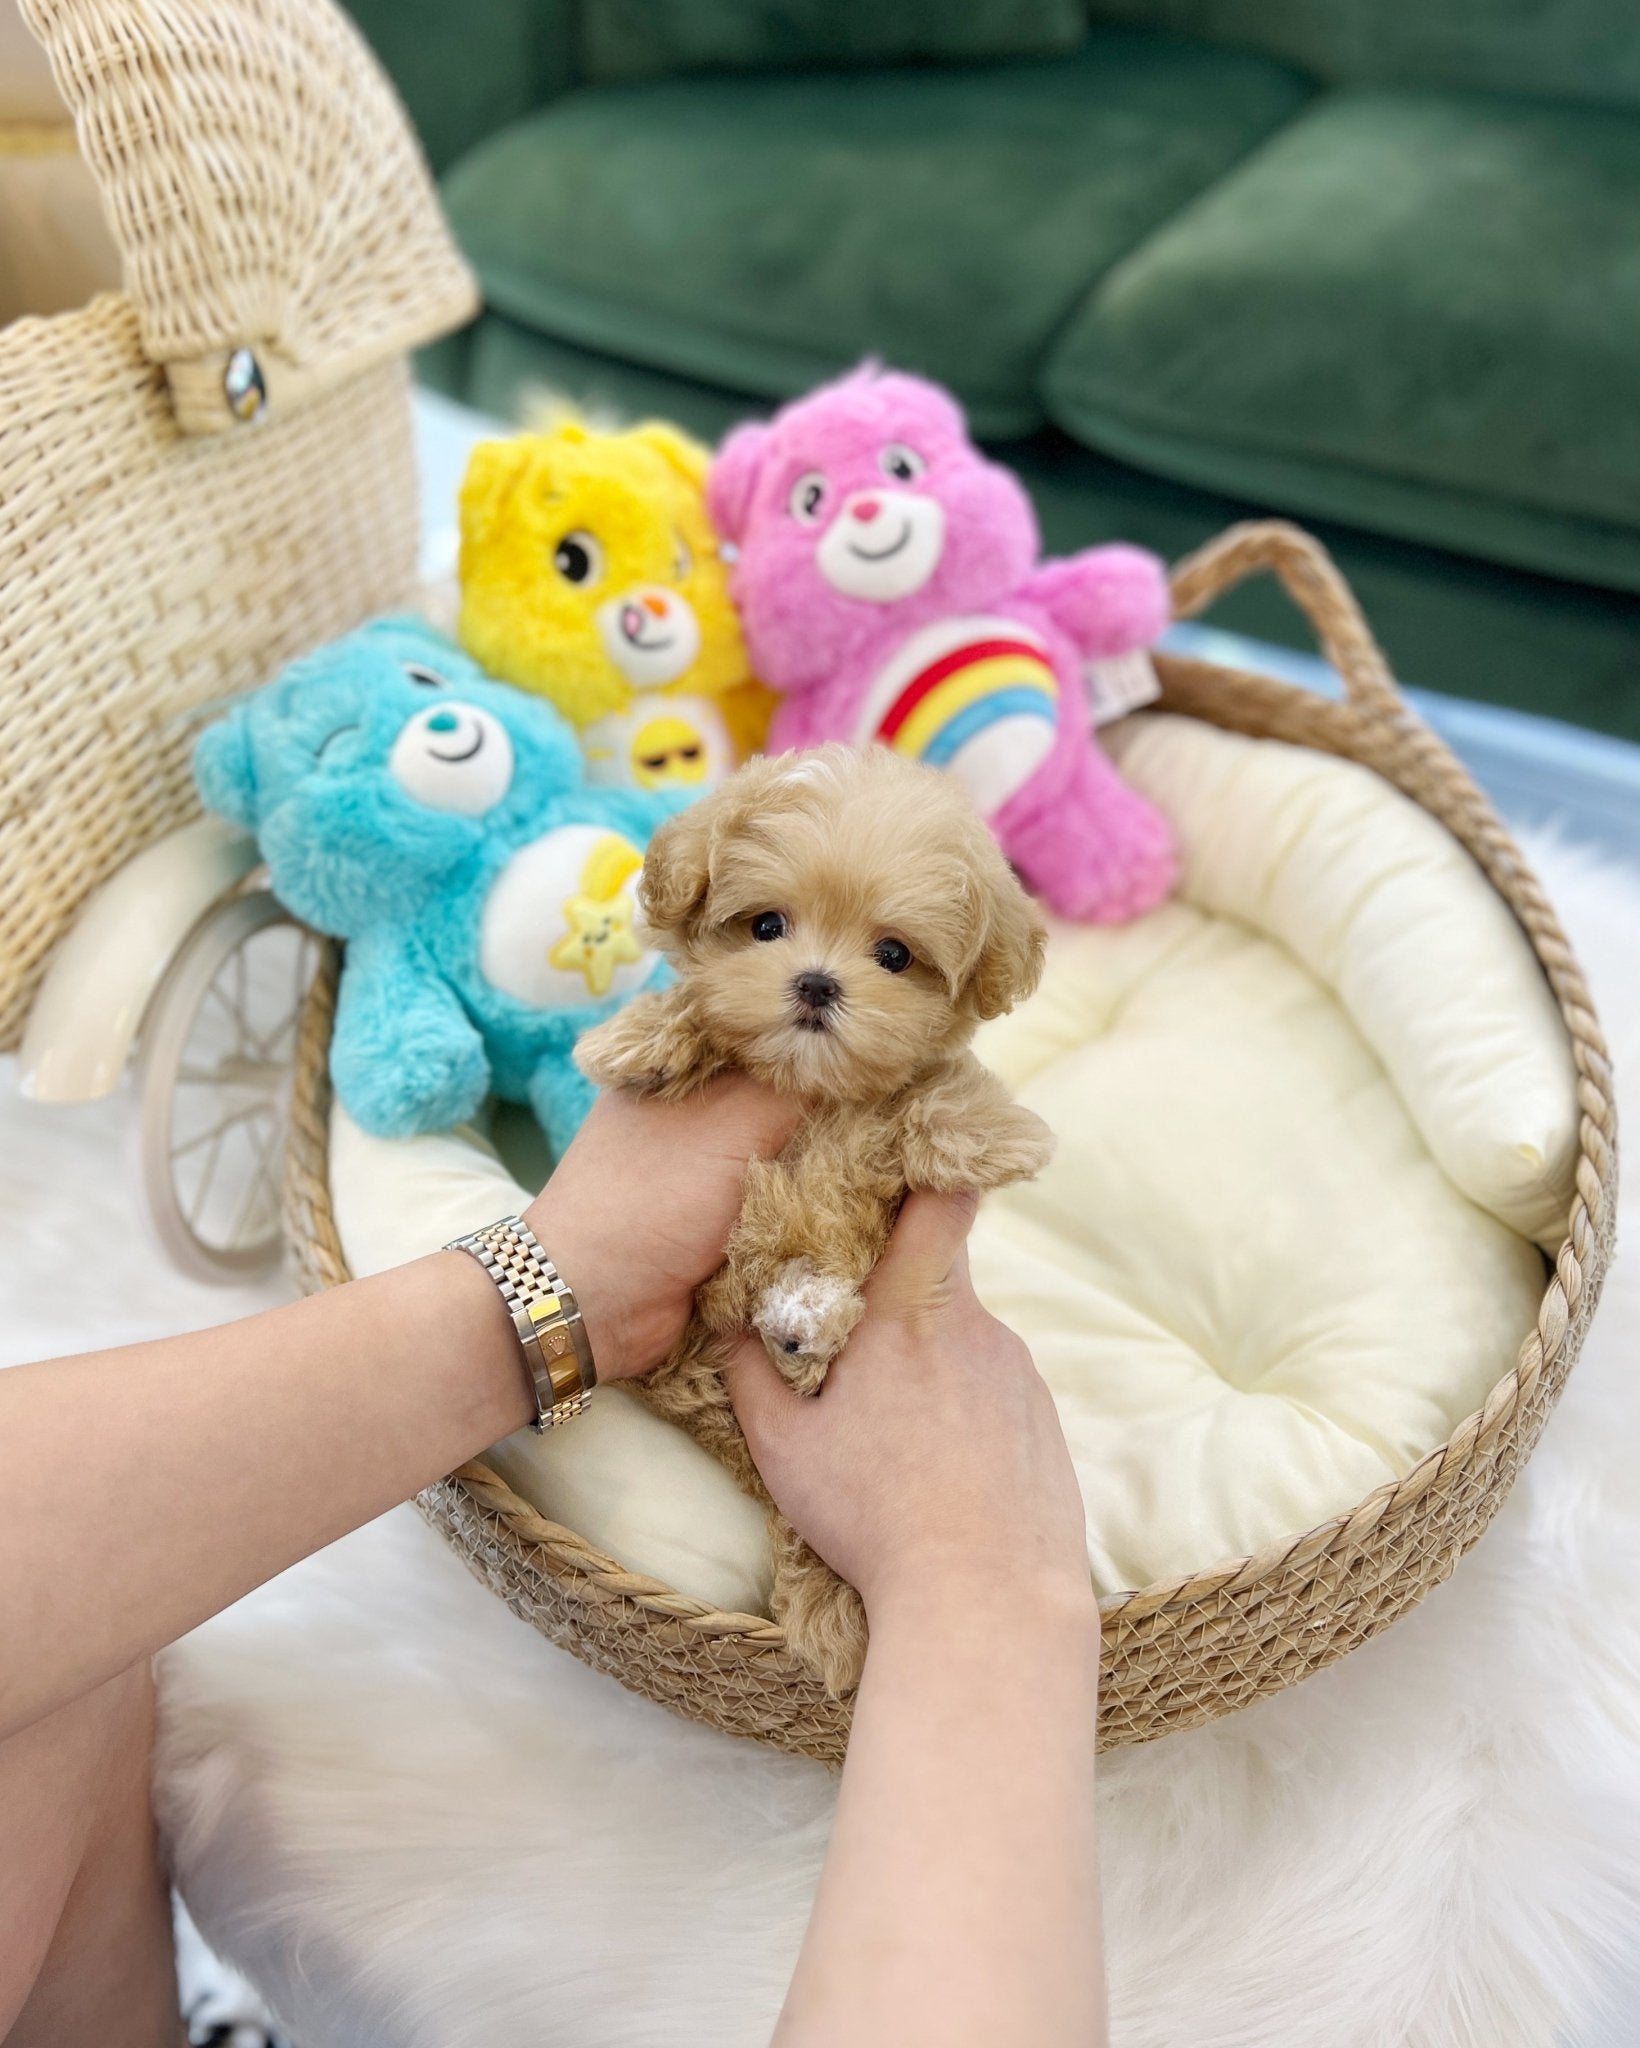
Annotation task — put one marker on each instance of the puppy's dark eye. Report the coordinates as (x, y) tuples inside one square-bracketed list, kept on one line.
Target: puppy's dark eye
[(769, 924), (892, 955)]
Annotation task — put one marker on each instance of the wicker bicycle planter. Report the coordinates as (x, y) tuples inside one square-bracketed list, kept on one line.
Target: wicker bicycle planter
[(1184, 1650), (212, 469)]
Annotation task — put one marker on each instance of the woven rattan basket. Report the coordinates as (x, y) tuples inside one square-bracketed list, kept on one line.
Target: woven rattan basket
[(213, 468), (1187, 1649)]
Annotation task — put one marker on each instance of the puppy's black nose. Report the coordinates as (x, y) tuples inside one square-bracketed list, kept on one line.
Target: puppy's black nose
[(817, 990)]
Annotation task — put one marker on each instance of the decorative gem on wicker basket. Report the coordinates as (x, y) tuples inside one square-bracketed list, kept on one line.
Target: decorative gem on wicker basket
[(244, 386)]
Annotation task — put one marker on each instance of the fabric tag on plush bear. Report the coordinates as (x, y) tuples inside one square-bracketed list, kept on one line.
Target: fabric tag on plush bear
[(1119, 684)]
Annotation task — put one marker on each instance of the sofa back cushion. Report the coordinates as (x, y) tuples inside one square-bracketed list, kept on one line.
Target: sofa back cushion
[(1575, 49), (1413, 311), (762, 233), (629, 39)]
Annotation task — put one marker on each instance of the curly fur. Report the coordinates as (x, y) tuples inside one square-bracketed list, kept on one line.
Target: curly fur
[(851, 848)]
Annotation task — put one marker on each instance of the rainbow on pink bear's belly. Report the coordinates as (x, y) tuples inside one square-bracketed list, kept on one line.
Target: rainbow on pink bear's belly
[(976, 695)]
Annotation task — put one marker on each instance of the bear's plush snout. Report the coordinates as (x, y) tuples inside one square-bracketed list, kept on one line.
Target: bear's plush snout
[(650, 634), (883, 545), (453, 757)]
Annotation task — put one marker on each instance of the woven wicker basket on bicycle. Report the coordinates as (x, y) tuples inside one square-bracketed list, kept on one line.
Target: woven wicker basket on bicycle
[(211, 469), (1186, 1649)]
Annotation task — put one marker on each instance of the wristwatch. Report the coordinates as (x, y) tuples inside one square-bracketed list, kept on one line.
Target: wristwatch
[(545, 1315)]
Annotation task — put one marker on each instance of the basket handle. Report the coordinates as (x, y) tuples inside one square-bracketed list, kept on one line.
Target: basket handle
[(277, 224), (1311, 578)]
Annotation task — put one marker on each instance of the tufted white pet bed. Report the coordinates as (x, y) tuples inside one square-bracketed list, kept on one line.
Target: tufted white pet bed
[(1316, 1119)]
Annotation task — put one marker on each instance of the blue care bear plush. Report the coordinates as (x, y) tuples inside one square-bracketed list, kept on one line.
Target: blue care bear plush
[(440, 823)]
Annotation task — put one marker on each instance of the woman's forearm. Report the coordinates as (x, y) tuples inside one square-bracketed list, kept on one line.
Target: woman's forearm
[(959, 1902), (143, 1489)]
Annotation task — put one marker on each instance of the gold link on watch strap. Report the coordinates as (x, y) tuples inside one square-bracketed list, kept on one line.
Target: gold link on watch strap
[(545, 1315)]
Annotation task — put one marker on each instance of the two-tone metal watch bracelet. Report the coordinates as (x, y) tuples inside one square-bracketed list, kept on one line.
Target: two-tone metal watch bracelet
[(545, 1314)]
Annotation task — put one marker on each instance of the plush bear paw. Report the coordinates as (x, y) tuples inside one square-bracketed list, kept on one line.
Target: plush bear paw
[(805, 1318), (430, 1082)]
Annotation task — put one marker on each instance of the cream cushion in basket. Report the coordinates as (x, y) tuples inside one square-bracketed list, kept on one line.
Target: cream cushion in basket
[(1315, 1118)]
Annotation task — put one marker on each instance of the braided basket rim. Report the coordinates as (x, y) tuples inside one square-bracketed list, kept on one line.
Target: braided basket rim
[(507, 1542)]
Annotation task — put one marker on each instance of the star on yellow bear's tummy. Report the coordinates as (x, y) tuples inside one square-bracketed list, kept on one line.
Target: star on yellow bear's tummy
[(600, 936)]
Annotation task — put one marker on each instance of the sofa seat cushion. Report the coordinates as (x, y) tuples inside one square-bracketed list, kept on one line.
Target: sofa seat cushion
[(761, 233), (1416, 311)]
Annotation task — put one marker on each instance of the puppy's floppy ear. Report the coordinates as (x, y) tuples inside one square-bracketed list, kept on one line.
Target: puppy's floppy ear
[(676, 870), (733, 478), (1011, 953)]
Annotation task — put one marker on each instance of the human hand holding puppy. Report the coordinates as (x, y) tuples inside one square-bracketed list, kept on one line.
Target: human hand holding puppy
[(959, 1901), (671, 1177), (840, 922), (934, 1459)]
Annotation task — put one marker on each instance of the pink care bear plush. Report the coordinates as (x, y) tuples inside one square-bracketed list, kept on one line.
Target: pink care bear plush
[(889, 588)]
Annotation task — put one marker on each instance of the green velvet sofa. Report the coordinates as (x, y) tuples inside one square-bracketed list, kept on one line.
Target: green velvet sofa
[(1374, 264)]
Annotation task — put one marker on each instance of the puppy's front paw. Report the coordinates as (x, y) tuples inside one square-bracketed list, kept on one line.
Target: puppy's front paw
[(805, 1318)]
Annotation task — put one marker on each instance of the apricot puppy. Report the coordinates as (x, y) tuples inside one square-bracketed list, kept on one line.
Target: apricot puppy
[(840, 921)]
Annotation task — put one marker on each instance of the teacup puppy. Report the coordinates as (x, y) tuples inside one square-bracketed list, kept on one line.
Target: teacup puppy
[(840, 921)]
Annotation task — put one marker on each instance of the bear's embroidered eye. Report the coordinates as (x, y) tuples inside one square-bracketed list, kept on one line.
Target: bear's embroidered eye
[(339, 732), (892, 955), (769, 924), (578, 558), (904, 464), (426, 678), (683, 561), (808, 494)]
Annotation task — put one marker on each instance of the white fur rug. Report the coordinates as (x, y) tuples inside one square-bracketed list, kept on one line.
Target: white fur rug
[(419, 1826)]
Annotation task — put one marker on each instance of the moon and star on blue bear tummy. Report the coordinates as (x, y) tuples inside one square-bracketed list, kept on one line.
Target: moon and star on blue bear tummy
[(441, 823)]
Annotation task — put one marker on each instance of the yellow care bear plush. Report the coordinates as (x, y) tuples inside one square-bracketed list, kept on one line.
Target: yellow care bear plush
[(590, 574)]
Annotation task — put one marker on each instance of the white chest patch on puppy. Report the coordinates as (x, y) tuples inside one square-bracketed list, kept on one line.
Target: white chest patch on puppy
[(558, 924)]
